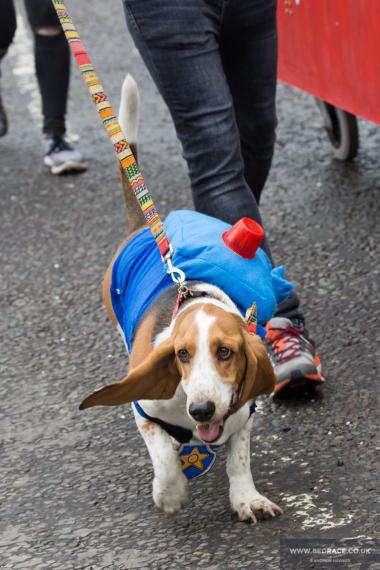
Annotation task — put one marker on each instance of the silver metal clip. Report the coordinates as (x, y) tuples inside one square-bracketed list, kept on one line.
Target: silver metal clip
[(175, 273)]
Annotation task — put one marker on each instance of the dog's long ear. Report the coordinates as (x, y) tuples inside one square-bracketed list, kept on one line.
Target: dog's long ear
[(259, 376), (156, 378)]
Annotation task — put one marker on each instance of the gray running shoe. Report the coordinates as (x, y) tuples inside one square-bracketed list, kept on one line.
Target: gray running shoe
[(296, 364), (61, 157)]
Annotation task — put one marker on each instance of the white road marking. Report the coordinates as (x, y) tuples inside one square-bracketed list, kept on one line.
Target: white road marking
[(321, 517)]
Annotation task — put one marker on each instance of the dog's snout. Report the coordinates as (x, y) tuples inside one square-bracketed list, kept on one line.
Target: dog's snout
[(203, 411)]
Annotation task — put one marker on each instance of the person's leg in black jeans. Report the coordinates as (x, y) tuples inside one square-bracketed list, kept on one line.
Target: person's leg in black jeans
[(7, 32), (7, 25), (189, 50), (52, 58), (179, 43), (248, 45)]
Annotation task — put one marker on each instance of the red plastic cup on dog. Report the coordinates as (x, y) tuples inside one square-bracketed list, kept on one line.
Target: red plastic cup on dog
[(244, 238)]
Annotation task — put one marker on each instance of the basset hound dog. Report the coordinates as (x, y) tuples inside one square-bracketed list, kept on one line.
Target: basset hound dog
[(194, 373)]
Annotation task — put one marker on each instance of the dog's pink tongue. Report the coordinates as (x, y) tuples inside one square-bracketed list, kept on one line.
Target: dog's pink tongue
[(209, 432)]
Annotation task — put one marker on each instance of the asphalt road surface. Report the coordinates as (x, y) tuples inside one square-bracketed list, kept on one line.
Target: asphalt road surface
[(75, 486)]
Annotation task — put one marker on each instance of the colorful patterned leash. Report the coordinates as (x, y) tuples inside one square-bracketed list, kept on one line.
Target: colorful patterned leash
[(251, 318), (252, 322), (120, 144)]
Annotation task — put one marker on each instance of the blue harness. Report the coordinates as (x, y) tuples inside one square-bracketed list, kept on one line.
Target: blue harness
[(196, 459)]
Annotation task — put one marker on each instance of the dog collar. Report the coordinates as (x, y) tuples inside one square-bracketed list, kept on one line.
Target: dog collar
[(196, 459), (184, 293)]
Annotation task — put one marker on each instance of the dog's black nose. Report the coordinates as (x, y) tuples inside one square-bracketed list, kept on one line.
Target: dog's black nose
[(203, 411)]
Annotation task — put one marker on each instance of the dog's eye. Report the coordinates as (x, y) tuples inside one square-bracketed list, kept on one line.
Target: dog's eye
[(183, 355), (223, 353)]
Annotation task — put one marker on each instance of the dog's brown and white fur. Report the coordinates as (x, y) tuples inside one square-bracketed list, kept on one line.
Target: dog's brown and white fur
[(205, 354)]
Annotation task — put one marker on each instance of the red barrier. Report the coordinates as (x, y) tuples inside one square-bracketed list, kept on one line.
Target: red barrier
[(331, 49)]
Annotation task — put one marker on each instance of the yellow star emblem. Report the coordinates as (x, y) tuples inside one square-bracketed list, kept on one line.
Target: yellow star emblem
[(194, 459)]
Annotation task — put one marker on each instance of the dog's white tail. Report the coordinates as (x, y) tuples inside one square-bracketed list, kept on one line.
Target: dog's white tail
[(129, 109), (129, 120)]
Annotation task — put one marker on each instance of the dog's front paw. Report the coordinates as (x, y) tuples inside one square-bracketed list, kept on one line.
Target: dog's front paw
[(254, 507), (171, 496)]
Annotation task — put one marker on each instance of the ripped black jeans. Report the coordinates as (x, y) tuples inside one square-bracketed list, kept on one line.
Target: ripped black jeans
[(52, 58)]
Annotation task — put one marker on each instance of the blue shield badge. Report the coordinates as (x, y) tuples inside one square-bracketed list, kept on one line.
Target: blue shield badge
[(196, 460)]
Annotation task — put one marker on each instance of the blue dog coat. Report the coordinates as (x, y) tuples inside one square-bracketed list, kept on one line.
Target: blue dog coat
[(139, 276)]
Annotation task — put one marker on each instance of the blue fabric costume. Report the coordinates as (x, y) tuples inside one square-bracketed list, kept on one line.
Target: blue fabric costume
[(139, 276)]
